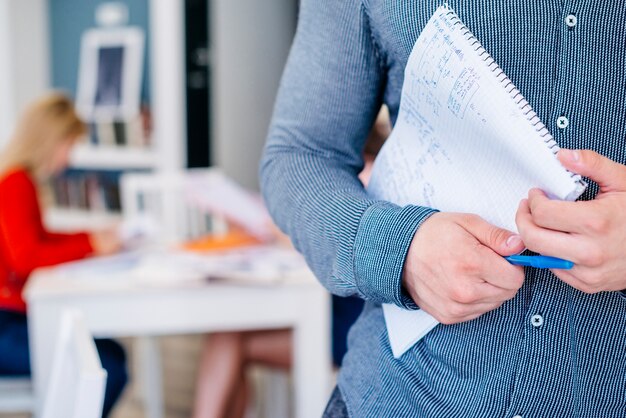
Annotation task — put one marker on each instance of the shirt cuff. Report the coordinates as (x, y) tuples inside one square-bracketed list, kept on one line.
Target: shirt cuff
[(382, 241)]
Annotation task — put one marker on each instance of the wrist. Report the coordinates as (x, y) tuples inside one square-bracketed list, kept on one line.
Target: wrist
[(381, 246)]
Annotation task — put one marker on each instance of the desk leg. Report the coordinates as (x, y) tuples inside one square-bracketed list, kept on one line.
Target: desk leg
[(312, 364), (44, 323), (151, 379)]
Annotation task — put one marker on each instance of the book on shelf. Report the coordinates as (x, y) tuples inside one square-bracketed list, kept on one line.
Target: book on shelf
[(134, 132), (87, 190)]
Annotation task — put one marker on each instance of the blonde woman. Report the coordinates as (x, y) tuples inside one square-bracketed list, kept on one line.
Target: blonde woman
[(40, 148)]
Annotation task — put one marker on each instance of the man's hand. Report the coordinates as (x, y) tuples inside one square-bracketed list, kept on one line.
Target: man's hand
[(592, 234), (454, 268)]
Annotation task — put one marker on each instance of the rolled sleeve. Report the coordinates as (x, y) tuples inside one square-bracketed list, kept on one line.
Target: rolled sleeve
[(380, 249), (329, 97)]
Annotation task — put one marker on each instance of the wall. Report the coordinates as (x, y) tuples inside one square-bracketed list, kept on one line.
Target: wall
[(6, 91), (250, 43), (40, 46), (24, 66), (68, 20)]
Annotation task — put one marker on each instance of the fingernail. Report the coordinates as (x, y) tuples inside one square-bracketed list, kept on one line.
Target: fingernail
[(513, 241), (572, 155)]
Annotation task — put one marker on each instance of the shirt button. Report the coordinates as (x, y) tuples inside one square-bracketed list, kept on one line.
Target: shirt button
[(536, 321), (570, 20), (562, 122), (517, 416)]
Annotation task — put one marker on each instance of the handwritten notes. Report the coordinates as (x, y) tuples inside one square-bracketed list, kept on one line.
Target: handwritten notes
[(465, 140)]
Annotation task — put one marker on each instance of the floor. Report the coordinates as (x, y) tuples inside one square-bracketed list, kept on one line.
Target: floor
[(180, 359), (180, 356)]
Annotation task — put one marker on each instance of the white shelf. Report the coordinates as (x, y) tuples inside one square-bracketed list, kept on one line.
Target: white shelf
[(68, 220), (112, 158)]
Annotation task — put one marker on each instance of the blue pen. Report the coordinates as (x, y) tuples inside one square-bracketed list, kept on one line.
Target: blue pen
[(540, 262)]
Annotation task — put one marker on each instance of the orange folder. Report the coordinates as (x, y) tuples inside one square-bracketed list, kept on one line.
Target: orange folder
[(233, 239)]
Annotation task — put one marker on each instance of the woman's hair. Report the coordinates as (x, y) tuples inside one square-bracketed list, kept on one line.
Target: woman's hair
[(46, 124)]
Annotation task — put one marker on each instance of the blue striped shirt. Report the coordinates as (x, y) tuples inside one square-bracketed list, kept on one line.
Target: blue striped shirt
[(347, 59)]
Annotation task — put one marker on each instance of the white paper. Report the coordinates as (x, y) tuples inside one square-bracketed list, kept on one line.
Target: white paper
[(164, 267), (405, 328), (465, 141), (219, 195)]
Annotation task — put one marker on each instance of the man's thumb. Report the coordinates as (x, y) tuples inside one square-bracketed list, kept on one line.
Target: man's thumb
[(499, 240), (610, 176)]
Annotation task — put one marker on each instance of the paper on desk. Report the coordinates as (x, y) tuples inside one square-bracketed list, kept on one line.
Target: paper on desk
[(253, 265), (220, 195), (138, 232), (261, 264), (465, 141), (105, 268), (153, 268)]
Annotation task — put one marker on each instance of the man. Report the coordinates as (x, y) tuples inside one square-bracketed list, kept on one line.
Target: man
[(514, 343)]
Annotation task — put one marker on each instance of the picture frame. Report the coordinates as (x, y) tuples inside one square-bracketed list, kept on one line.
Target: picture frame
[(110, 74)]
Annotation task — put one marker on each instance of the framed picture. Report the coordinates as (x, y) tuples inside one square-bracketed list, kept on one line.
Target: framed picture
[(111, 68)]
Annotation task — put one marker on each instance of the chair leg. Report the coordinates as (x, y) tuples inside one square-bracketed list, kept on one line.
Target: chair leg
[(276, 402), (149, 356)]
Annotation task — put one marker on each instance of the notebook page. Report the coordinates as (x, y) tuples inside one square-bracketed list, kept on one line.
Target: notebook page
[(465, 140)]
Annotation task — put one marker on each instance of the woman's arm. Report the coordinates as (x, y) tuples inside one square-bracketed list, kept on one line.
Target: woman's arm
[(27, 247)]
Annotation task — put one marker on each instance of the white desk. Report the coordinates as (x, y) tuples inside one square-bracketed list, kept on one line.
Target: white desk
[(120, 308)]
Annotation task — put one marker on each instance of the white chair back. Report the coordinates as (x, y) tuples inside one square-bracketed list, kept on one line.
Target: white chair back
[(161, 200), (77, 383)]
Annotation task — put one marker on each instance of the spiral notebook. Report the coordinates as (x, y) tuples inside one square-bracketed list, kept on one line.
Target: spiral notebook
[(465, 140)]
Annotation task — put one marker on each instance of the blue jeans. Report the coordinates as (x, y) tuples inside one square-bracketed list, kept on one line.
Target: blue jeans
[(15, 357), (345, 313)]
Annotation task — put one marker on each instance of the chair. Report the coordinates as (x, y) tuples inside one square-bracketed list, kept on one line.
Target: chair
[(164, 199), (77, 383), (161, 200), (16, 395)]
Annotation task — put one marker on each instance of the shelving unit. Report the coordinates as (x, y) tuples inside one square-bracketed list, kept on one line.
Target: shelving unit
[(68, 220), (113, 158), (167, 144), (99, 158), (249, 46)]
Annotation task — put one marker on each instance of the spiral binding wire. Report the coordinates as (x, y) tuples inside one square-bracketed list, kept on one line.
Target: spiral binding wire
[(515, 94)]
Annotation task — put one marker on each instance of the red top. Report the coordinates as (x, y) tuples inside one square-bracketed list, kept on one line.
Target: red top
[(24, 242)]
